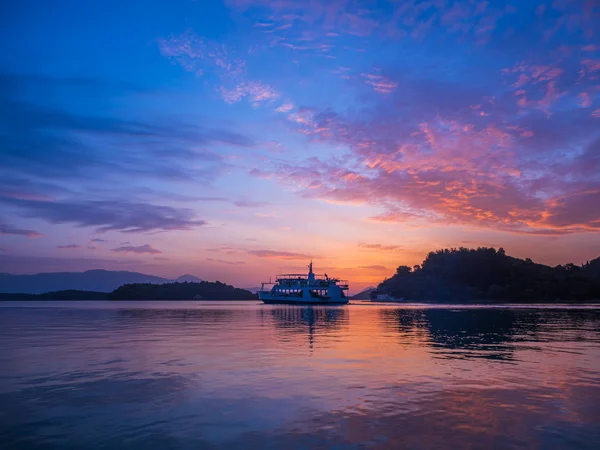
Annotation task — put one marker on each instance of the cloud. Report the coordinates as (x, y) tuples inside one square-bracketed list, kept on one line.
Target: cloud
[(18, 264), (50, 141), (109, 215), (221, 261), (379, 83), (375, 268), (286, 107), (249, 204), (309, 26), (195, 54), (279, 254), (440, 152), (227, 250), (146, 248), (99, 240), (590, 48), (577, 210), (385, 248), (69, 246), (255, 91), (7, 229), (584, 100)]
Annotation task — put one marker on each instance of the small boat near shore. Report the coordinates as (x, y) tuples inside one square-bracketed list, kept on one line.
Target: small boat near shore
[(376, 296), (305, 289)]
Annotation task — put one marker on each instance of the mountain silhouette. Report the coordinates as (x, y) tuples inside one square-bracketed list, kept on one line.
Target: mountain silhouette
[(364, 294), (187, 278), (90, 280)]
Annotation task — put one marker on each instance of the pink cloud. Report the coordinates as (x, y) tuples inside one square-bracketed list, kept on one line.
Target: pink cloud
[(286, 107), (222, 261), (255, 91), (146, 248), (584, 100), (574, 210), (444, 171), (590, 48), (591, 65), (433, 151), (194, 54), (380, 247), (379, 83), (522, 81)]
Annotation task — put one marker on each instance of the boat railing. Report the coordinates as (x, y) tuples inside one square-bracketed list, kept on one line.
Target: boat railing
[(319, 280), (302, 276)]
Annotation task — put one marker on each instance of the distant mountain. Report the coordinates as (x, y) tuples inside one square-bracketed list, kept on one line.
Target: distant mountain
[(187, 278), (364, 294), (90, 280), (254, 290)]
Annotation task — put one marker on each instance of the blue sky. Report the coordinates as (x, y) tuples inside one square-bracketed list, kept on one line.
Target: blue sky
[(240, 138)]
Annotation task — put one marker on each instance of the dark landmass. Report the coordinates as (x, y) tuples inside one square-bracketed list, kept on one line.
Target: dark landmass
[(90, 280), (204, 290), (487, 274)]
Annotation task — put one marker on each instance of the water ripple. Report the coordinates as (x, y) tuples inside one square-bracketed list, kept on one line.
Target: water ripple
[(239, 375)]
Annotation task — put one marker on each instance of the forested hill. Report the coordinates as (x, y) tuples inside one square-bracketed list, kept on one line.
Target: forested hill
[(489, 274), (204, 290)]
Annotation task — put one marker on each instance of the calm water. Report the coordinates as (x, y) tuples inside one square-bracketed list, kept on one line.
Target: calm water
[(248, 376)]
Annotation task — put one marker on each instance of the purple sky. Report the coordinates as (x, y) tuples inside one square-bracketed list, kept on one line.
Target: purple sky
[(236, 139)]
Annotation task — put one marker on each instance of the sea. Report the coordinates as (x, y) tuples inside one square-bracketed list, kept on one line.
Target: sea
[(243, 375)]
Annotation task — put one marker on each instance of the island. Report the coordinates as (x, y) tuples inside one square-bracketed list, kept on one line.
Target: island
[(204, 290), (460, 275)]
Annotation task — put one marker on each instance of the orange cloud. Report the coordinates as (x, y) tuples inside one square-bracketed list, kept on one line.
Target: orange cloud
[(280, 254)]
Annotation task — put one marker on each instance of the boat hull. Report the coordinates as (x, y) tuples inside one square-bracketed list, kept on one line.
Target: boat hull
[(275, 301), (269, 298)]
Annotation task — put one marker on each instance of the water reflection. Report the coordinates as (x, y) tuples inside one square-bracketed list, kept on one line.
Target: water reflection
[(254, 376), (483, 333), (291, 322), (158, 316)]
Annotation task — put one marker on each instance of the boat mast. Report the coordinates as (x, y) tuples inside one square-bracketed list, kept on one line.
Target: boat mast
[(311, 275)]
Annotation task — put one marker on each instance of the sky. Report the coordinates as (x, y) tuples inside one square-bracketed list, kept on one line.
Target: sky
[(238, 139)]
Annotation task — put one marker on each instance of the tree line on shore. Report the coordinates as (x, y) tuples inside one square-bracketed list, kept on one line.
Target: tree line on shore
[(462, 274), (204, 290)]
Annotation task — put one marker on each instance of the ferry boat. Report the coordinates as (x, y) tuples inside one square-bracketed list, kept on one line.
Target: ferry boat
[(305, 289)]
